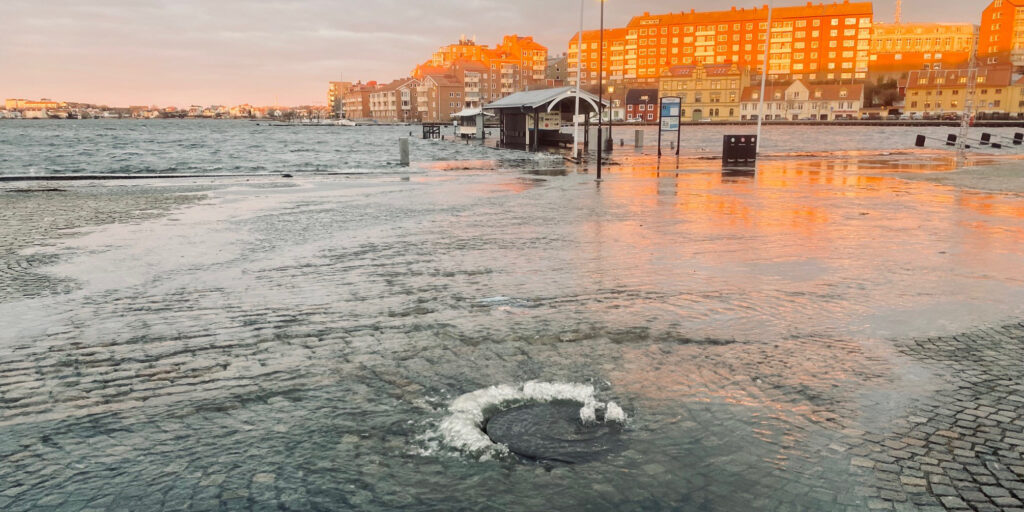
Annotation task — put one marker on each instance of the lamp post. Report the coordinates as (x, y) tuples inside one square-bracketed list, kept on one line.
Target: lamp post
[(764, 74), (576, 152), (600, 93)]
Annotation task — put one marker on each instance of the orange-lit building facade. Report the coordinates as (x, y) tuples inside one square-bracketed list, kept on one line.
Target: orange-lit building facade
[(1001, 38), (897, 48), (814, 42), (517, 63)]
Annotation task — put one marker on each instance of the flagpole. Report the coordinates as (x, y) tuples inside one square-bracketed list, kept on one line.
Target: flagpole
[(764, 74)]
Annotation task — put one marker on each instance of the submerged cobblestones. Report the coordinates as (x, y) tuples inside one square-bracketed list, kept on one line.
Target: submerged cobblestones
[(305, 364)]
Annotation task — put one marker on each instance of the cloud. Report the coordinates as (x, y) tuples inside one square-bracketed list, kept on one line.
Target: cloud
[(234, 51)]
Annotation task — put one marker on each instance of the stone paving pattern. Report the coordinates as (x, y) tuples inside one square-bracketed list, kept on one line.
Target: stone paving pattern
[(198, 397)]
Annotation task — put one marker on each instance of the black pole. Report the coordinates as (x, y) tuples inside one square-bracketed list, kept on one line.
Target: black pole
[(660, 110), (679, 131), (600, 93)]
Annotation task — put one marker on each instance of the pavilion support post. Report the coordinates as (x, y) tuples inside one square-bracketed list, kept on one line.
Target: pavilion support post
[(586, 134), (526, 128), (536, 130)]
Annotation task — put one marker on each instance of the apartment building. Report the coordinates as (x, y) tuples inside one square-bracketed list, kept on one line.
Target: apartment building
[(800, 100), (520, 60), (356, 102), (335, 98), (1001, 37), (937, 92), (395, 102), (438, 97), (814, 42), (706, 91), (898, 48)]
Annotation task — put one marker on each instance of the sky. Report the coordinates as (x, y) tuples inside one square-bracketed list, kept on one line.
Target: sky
[(283, 52)]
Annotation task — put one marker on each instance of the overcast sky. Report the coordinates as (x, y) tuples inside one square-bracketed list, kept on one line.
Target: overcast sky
[(179, 52)]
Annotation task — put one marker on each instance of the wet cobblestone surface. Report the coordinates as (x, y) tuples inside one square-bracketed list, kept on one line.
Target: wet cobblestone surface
[(295, 350), (34, 214)]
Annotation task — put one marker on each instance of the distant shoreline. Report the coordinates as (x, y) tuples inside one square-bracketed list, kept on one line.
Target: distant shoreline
[(1014, 123)]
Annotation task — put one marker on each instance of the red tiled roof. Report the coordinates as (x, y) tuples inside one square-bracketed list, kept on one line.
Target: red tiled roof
[(997, 75)]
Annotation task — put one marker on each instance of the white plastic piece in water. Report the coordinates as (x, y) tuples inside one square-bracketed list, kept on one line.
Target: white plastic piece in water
[(461, 429), (614, 413)]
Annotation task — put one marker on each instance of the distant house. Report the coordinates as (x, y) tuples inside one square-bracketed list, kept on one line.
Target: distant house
[(642, 104), (800, 101)]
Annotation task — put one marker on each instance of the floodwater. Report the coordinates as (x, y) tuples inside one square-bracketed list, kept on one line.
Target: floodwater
[(297, 344)]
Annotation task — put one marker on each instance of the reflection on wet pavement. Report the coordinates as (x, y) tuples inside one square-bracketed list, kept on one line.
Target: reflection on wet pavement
[(780, 341)]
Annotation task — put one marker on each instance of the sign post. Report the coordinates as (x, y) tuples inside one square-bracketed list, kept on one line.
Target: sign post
[(671, 114)]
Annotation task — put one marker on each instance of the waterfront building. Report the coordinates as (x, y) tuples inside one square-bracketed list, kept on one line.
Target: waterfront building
[(520, 61), (815, 42), (1001, 37), (356, 103), (706, 91), (938, 93), (395, 102), (642, 105), (903, 47), (240, 111), (23, 104), (438, 97), (336, 92), (801, 100)]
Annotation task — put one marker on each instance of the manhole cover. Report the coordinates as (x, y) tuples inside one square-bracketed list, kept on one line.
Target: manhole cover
[(553, 432)]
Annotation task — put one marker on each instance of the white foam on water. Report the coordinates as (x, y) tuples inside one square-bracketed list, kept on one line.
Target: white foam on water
[(588, 413), (463, 430), (614, 413)]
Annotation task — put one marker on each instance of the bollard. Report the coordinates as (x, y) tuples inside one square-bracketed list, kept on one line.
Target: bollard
[(403, 151), (672, 144), (622, 143), (638, 139)]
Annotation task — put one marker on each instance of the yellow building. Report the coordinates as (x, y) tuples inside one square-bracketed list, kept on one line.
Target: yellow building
[(706, 91), (936, 94)]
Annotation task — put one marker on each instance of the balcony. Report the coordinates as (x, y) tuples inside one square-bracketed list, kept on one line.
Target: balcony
[(1017, 57)]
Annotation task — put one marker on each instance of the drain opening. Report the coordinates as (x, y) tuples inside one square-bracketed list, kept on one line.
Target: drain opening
[(554, 432)]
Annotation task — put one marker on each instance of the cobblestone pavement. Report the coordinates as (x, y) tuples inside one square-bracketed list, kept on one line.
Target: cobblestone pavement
[(295, 349), (33, 214)]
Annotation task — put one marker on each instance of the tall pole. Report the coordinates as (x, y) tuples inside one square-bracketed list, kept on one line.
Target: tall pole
[(764, 74), (972, 84), (600, 93), (579, 72)]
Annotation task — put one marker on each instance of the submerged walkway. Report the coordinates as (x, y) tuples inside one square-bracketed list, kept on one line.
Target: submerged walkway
[(820, 336)]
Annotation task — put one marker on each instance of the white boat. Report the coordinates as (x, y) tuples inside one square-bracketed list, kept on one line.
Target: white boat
[(345, 122)]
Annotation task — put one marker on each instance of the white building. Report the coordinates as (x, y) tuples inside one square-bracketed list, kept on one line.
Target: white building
[(798, 101)]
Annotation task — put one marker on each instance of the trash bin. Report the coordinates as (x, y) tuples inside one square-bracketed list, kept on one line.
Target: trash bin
[(739, 151)]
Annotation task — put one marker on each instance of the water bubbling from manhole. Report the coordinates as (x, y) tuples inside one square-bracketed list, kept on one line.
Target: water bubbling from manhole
[(463, 428), (554, 432)]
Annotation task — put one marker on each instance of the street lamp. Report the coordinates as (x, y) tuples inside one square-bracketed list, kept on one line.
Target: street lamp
[(600, 93)]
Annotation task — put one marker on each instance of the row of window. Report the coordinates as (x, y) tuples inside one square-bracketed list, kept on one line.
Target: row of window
[(778, 25)]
